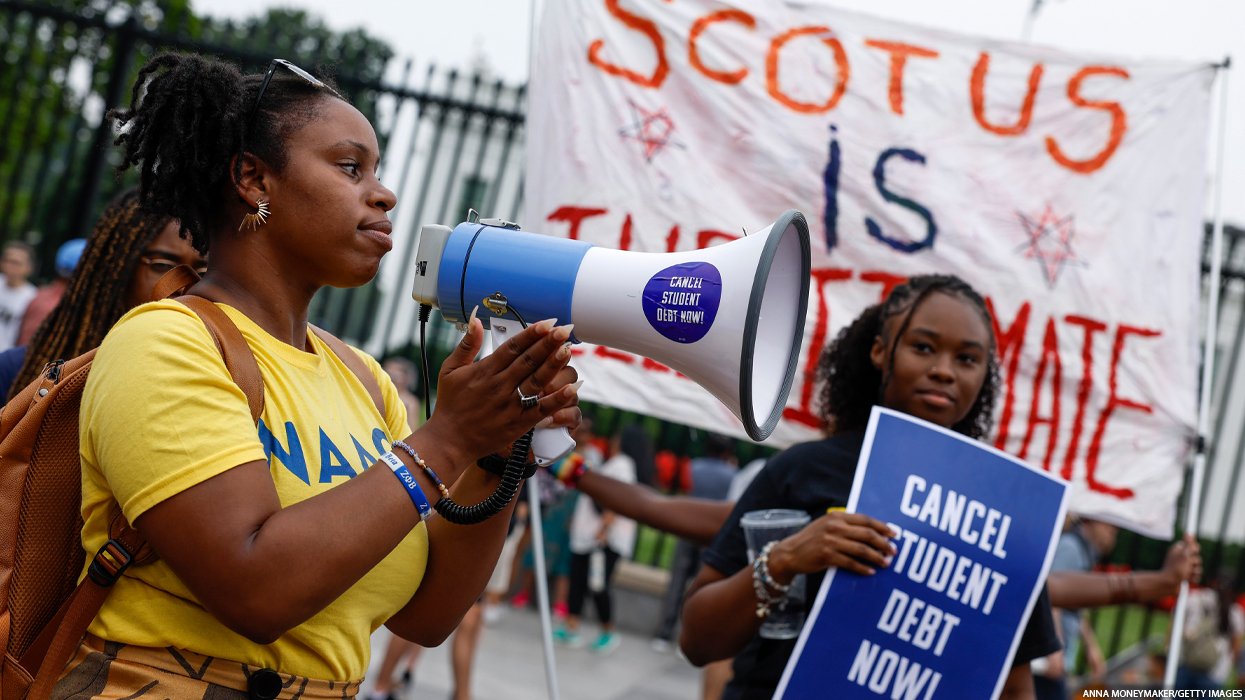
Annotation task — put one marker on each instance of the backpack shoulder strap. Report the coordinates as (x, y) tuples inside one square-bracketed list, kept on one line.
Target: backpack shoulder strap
[(175, 282), (239, 359), (351, 359), (60, 638)]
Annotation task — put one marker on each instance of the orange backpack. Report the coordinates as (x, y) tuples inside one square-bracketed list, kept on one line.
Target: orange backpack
[(44, 611)]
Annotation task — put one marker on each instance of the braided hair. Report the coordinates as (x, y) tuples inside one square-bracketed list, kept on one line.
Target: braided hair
[(851, 385), (97, 293), (190, 117)]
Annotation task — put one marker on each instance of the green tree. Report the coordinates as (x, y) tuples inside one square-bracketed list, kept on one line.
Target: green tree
[(67, 61), (353, 58)]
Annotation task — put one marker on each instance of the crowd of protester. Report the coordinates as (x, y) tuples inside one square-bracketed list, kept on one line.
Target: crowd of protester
[(584, 541), (592, 502)]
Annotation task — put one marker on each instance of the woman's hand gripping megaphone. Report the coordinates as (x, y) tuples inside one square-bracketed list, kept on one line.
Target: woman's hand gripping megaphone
[(552, 440), (487, 393)]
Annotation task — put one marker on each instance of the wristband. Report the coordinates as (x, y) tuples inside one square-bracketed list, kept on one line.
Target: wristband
[(496, 464), (408, 481), (571, 469)]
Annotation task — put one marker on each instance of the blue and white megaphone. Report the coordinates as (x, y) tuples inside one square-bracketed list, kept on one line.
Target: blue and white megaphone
[(730, 317)]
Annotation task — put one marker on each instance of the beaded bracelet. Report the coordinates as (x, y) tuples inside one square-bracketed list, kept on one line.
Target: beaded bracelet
[(764, 585), (441, 487), (408, 480)]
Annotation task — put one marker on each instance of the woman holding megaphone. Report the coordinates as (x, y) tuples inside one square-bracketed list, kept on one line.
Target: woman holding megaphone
[(283, 543)]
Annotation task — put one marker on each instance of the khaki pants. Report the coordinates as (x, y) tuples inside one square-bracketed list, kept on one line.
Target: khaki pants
[(103, 669)]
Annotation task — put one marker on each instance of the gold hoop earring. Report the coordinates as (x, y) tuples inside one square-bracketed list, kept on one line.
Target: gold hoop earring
[(250, 222)]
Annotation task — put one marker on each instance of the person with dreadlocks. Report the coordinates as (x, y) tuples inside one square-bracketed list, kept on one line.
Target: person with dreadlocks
[(927, 350), (282, 542), (125, 256)]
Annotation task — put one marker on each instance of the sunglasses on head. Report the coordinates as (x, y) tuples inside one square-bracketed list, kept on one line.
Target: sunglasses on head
[(282, 63)]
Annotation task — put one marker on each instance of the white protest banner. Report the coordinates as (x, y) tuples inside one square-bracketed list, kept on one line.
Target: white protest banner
[(976, 531), (1067, 188)]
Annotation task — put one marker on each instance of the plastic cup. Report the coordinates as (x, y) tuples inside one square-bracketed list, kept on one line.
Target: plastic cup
[(760, 528)]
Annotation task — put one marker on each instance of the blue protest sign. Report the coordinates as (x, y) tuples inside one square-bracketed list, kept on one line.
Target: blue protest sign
[(977, 531)]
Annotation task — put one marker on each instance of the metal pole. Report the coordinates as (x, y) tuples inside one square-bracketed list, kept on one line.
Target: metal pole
[(542, 588), (538, 562), (1194, 512)]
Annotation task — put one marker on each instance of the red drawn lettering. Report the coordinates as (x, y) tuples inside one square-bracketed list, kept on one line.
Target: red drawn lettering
[(648, 28), (611, 354), (1049, 359), (672, 240), (840, 60), (1082, 392), (1114, 401), (624, 238), (654, 366), (1066, 444), (699, 26), (1119, 122), (977, 89), (804, 414), (900, 52), (708, 237), (576, 216), (888, 281), (1010, 344)]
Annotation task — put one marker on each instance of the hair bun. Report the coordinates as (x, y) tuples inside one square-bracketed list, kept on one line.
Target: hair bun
[(184, 125)]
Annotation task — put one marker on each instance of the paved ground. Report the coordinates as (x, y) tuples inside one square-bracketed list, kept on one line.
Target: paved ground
[(510, 666)]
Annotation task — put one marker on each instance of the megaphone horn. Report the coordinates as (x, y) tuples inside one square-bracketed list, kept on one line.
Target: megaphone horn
[(688, 310)]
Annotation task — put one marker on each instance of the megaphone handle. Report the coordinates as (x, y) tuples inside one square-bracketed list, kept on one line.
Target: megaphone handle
[(551, 444), (548, 444)]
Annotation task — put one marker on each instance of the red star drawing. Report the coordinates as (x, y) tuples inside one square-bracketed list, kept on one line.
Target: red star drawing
[(652, 129), (1050, 242)]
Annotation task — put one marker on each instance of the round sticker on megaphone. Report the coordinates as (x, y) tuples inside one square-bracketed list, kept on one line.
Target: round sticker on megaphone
[(681, 301)]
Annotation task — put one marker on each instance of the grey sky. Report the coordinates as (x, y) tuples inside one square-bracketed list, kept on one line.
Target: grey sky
[(459, 32)]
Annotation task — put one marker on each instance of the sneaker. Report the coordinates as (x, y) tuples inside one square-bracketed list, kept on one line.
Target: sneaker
[(606, 643), (560, 610), (567, 638), (493, 614), (661, 645), (520, 600)]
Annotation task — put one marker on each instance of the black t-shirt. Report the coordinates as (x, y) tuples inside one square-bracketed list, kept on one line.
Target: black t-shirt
[(812, 477)]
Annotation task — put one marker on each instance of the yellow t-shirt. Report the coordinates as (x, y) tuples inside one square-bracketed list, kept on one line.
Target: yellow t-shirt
[(160, 414)]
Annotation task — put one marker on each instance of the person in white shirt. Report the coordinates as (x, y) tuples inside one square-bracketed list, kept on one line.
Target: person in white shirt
[(17, 263), (599, 538)]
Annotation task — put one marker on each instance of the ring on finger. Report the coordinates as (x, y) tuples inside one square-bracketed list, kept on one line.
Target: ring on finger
[(527, 401)]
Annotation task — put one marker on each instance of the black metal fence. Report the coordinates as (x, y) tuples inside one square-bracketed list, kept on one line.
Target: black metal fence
[(451, 141)]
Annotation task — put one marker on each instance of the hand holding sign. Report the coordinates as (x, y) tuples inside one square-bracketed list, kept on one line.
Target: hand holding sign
[(974, 535)]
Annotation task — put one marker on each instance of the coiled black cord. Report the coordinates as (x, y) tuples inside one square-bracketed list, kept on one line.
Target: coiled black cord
[(516, 464), (511, 478)]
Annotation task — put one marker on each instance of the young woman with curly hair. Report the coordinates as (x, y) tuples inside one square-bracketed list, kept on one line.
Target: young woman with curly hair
[(928, 350)]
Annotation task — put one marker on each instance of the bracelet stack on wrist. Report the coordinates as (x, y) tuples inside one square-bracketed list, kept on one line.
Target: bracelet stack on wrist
[(768, 591), (1122, 588), (571, 469), (432, 476)]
